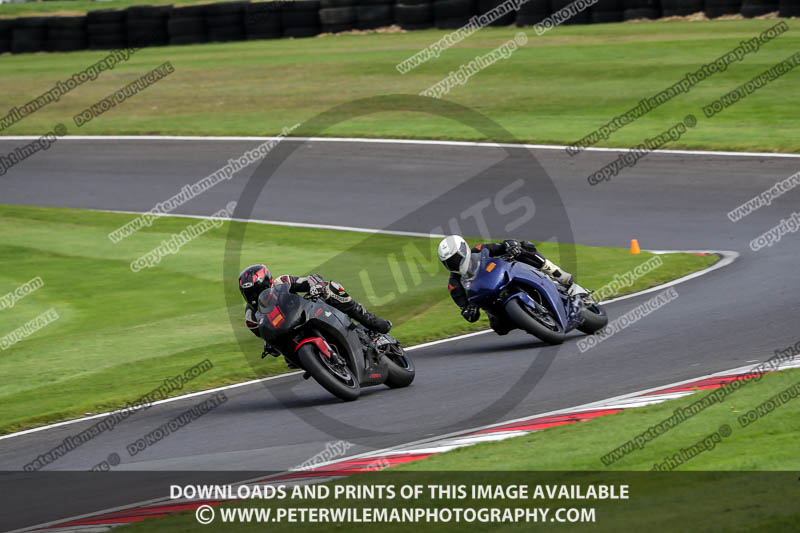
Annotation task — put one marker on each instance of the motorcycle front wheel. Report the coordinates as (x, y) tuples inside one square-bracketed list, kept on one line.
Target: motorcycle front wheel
[(336, 378), (539, 322)]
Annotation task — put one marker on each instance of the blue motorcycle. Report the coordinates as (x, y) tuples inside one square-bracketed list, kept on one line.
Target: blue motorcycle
[(523, 297)]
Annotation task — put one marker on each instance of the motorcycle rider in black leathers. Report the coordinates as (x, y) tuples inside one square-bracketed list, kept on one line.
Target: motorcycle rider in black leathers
[(257, 278), (457, 257)]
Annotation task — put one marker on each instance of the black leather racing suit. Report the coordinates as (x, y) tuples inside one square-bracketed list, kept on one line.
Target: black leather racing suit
[(334, 295)]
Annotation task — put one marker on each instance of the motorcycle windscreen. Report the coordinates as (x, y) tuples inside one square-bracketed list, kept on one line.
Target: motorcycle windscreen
[(278, 311), (489, 278)]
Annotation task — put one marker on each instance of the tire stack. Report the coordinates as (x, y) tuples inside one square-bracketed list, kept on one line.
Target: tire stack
[(484, 6), (300, 18), (754, 8), (583, 17), (147, 25), (6, 35), (29, 35), (371, 14), (187, 25), (65, 34), (262, 20), (642, 9), (106, 29), (337, 15), (608, 11), (718, 8), (414, 14), (451, 14), (533, 12), (789, 8), (681, 8), (225, 21)]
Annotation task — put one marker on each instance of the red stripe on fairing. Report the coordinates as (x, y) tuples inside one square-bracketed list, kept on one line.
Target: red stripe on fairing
[(545, 422), (703, 384)]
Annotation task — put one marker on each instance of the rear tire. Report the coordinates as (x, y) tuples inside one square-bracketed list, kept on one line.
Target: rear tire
[(594, 319), (401, 370), (311, 359), (523, 318)]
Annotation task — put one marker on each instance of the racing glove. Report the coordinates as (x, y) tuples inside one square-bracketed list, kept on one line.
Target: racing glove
[(513, 248), (320, 290), (470, 313)]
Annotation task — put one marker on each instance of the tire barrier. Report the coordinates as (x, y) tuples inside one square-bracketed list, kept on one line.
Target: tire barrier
[(608, 11), (414, 14), (642, 9), (533, 12), (106, 29), (452, 14), (143, 26), (262, 20), (681, 8), (718, 8), (372, 14), (187, 25), (6, 34), (337, 15), (583, 17), (147, 25), (300, 18), (754, 8), (789, 8), (65, 34), (225, 22), (29, 35)]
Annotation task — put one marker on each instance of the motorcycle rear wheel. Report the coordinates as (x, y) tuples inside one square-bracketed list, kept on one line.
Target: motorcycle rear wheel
[(542, 327), (401, 370), (338, 381), (594, 319)]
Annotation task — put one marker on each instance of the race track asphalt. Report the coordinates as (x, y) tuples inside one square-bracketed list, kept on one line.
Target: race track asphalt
[(738, 314)]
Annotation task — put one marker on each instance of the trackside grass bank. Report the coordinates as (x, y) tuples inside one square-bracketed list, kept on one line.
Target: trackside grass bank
[(556, 89), (118, 334)]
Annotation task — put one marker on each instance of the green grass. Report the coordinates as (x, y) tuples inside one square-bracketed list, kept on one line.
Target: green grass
[(769, 443), (556, 89), (122, 333)]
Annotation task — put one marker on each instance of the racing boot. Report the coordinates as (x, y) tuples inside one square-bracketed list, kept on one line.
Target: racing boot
[(338, 298), (553, 270), (498, 325), (372, 322)]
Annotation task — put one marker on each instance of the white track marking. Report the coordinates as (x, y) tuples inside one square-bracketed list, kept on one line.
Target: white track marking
[(470, 144)]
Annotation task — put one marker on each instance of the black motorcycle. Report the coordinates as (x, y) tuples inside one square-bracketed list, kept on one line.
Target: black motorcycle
[(339, 354)]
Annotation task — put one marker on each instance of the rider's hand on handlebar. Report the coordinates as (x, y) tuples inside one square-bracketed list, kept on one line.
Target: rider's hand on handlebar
[(320, 290), (513, 248), (471, 313)]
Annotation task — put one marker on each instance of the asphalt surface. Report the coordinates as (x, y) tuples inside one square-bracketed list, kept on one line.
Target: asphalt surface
[(722, 320)]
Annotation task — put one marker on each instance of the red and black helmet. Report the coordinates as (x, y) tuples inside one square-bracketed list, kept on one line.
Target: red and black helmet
[(253, 281)]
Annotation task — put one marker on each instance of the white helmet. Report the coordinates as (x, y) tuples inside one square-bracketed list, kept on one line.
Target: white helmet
[(454, 254)]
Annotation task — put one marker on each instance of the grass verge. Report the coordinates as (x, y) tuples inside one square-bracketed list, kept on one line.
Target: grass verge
[(556, 89), (120, 333)]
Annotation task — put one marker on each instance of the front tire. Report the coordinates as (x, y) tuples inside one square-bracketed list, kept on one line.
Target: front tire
[(339, 381), (536, 323), (594, 319)]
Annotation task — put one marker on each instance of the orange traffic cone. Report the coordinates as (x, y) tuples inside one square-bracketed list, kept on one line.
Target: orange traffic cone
[(635, 247)]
